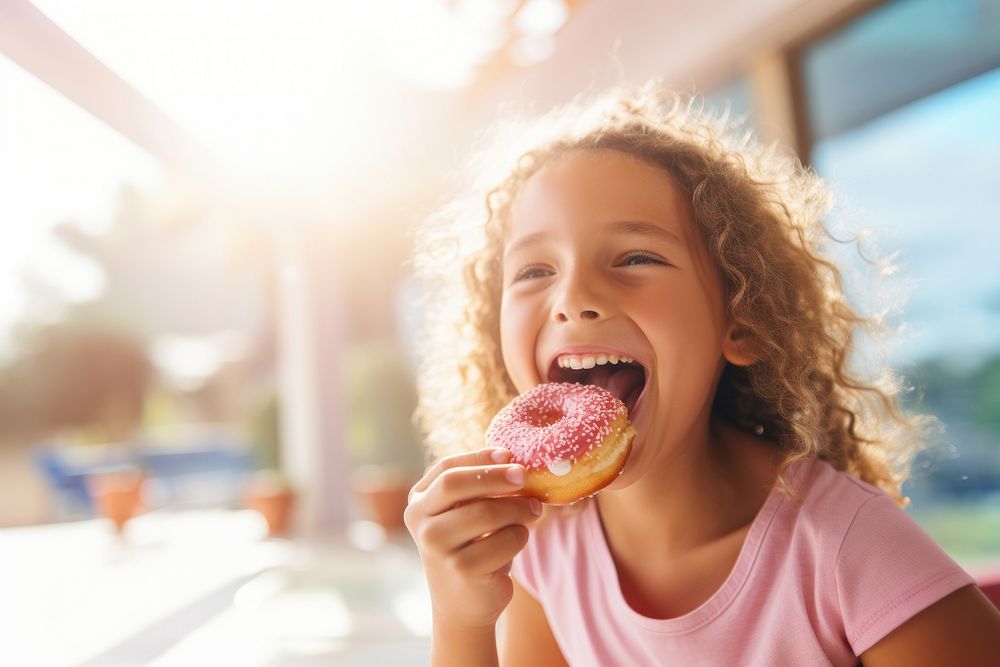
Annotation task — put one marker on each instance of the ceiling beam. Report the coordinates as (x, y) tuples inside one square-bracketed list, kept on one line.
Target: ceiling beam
[(33, 41)]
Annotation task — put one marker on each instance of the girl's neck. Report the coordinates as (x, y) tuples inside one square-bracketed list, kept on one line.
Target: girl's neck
[(708, 489)]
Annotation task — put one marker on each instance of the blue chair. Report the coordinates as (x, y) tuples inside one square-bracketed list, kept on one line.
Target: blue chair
[(67, 482), (180, 471)]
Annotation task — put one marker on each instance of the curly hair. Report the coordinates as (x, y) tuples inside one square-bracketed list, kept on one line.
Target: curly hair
[(760, 214)]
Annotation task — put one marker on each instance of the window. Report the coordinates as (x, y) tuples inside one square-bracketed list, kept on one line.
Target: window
[(903, 107), (734, 96)]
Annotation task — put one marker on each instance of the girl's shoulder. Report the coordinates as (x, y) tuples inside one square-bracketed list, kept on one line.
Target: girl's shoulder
[(827, 493), (868, 554), (861, 535), (843, 514)]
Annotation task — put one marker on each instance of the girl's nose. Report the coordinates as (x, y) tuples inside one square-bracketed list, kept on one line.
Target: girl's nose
[(578, 303), (586, 314)]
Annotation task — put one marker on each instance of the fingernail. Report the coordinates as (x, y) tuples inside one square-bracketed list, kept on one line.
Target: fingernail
[(515, 475), (535, 505), (500, 455)]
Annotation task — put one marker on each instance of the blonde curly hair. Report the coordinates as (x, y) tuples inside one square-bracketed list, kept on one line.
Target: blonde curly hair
[(760, 214)]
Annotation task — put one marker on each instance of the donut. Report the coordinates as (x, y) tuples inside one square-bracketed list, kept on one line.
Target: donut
[(572, 438)]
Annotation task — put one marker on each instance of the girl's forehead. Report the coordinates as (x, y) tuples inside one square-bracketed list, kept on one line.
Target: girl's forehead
[(595, 192), (599, 184)]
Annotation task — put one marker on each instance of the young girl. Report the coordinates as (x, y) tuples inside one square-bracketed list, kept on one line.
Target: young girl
[(757, 520)]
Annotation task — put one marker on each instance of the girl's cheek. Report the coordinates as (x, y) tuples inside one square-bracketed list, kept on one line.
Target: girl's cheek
[(517, 348)]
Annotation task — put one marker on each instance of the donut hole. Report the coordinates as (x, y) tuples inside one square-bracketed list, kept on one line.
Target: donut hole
[(546, 416)]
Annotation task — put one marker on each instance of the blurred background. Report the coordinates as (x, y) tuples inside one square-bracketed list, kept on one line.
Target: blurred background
[(207, 316)]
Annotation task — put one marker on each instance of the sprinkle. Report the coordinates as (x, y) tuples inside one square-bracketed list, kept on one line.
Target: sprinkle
[(555, 422)]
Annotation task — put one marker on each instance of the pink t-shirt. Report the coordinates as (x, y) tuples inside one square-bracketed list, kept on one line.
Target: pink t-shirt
[(816, 582)]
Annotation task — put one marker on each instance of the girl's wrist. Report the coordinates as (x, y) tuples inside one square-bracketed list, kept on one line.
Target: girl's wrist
[(457, 644)]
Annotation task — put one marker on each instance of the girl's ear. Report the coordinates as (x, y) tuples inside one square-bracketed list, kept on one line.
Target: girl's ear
[(738, 348)]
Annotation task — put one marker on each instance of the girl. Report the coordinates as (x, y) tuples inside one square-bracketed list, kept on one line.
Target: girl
[(757, 520)]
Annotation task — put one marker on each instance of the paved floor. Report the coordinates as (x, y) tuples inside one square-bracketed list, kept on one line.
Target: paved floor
[(205, 587)]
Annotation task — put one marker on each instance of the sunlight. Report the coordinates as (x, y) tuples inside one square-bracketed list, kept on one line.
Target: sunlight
[(300, 100), (59, 164), (291, 95)]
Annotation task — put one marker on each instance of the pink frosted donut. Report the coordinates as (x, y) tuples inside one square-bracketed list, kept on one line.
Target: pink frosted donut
[(572, 438)]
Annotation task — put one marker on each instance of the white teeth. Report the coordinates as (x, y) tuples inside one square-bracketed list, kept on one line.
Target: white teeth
[(588, 361)]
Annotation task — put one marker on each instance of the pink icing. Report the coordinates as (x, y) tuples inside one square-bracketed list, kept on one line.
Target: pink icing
[(554, 422)]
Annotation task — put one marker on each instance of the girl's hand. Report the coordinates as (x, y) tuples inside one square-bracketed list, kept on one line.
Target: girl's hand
[(467, 536)]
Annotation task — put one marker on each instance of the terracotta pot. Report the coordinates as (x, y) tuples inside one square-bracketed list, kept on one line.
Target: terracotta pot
[(385, 500), (117, 495), (274, 504)]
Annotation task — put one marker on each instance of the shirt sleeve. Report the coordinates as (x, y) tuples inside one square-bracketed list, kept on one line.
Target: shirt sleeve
[(888, 570)]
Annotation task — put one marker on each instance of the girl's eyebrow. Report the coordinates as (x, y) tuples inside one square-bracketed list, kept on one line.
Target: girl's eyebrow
[(525, 242), (643, 228), (633, 227)]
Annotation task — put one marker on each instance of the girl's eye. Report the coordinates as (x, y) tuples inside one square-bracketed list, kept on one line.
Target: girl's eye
[(639, 257), (531, 272)]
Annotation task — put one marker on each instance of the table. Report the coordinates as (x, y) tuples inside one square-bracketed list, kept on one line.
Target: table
[(205, 587)]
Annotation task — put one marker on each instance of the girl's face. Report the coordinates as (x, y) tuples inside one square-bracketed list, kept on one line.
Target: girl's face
[(602, 262)]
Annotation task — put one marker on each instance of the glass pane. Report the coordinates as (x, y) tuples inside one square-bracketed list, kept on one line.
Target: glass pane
[(735, 97), (924, 177), (896, 54)]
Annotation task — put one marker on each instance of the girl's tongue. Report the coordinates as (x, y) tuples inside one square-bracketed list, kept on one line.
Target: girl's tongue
[(625, 381)]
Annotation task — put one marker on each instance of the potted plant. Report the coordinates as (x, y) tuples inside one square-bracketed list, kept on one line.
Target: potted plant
[(117, 493), (268, 491), (270, 494), (385, 453)]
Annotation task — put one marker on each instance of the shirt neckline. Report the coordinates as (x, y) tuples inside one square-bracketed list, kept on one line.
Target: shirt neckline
[(721, 599)]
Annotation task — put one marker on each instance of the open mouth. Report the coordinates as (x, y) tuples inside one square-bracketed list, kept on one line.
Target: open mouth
[(619, 375)]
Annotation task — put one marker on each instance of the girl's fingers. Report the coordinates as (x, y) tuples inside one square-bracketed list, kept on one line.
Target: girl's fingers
[(456, 486), (476, 521), (482, 457), (492, 553)]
